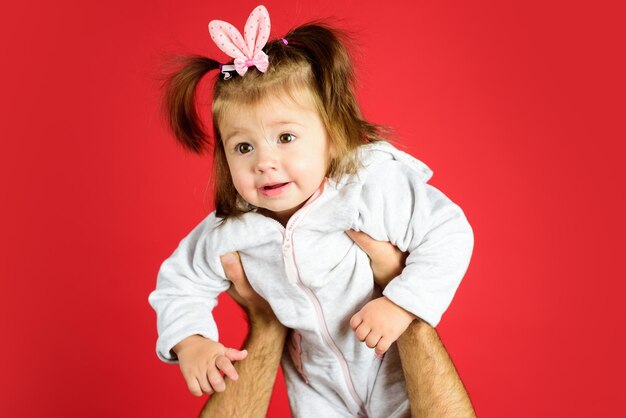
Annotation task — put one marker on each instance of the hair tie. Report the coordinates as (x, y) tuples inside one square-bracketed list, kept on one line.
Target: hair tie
[(246, 50), (226, 70), (284, 41)]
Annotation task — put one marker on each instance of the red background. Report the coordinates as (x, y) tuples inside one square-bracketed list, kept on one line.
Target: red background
[(518, 107)]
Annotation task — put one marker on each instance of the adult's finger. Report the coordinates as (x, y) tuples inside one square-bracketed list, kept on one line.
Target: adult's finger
[(241, 290), (386, 259), (364, 241), (235, 273), (232, 267), (231, 262)]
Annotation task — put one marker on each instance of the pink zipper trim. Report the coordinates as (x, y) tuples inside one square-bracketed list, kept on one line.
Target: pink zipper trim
[(329, 341), (293, 269)]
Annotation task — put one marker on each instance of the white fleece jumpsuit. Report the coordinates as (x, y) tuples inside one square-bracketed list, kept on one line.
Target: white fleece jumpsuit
[(315, 278)]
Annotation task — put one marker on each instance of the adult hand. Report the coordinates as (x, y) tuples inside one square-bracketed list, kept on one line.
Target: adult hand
[(386, 259), (249, 396), (241, 291), (433, 384)]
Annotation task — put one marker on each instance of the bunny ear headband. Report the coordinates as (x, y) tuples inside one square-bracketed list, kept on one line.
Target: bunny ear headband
[(246, 50)]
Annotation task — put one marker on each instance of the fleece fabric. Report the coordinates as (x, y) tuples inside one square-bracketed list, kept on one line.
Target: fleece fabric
[(316, 278)]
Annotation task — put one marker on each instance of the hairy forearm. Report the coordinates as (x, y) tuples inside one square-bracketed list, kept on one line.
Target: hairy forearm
[(249, 396), (433, 384)]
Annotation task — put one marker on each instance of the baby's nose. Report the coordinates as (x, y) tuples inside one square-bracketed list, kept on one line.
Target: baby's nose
[(266, 160)]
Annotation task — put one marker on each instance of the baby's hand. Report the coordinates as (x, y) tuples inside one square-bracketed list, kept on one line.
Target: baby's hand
[(201, 361), (380, 323)]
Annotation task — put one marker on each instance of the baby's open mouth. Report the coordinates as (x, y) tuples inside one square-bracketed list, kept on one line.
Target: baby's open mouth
[(273, 186)]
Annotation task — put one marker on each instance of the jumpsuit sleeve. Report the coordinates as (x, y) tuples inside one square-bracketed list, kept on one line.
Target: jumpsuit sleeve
[(397, 205), (188, 284)]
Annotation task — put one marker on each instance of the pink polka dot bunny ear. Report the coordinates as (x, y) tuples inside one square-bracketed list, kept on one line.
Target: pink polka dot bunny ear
[(246, 50)]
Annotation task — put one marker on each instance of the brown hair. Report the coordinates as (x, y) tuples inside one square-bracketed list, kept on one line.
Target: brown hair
[(315, 60)]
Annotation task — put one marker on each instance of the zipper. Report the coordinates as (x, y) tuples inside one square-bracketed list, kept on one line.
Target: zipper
[(329, 341), (293, 276)]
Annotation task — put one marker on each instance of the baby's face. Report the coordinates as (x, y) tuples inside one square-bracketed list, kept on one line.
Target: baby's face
[(277, 152)]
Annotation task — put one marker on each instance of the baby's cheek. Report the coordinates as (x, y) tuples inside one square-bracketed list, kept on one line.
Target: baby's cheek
[(245, 189), (313, 173)]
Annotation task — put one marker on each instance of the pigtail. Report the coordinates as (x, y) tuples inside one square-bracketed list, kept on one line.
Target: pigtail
[(178, 101), (329, 61), (326, 51)]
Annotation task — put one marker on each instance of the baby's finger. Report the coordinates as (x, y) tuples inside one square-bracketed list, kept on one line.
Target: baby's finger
[(356, 320), (204, 385), (382, 346), (233, 354), (216, 380), (227, 367), (362, 331), (372, 339), (193, 386)]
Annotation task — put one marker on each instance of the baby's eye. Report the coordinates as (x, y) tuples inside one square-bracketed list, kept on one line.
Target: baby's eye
[(243, 148), (286, 138)]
